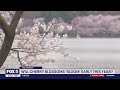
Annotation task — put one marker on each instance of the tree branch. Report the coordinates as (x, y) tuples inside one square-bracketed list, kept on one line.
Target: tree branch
[(16, 19), (14, 22), (4, 25), (9, 31), (18, 56)]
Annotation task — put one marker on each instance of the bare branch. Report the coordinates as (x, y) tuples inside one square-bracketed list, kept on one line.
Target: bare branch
[(18, 56)]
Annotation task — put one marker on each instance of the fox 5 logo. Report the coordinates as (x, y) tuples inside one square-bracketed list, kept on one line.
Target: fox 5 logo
[(12, 71)]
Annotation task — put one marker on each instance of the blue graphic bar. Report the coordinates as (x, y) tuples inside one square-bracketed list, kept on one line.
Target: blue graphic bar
[(30, 67), (62, 76)]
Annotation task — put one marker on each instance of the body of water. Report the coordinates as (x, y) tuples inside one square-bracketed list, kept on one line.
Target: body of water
[(93, 53)]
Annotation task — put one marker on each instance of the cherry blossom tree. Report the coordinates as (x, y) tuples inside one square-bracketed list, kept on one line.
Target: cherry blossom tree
[(33, 46), (9, 31), (97, 24)]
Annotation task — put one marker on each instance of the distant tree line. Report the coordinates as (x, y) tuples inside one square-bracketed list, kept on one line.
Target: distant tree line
[(84, 23), (66, 15)]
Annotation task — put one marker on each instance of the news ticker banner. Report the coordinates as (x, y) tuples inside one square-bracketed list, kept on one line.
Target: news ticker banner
[(40, 73)]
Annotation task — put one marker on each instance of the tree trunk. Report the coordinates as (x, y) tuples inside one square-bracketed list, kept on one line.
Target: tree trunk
[(6, 46), (9, 31)]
